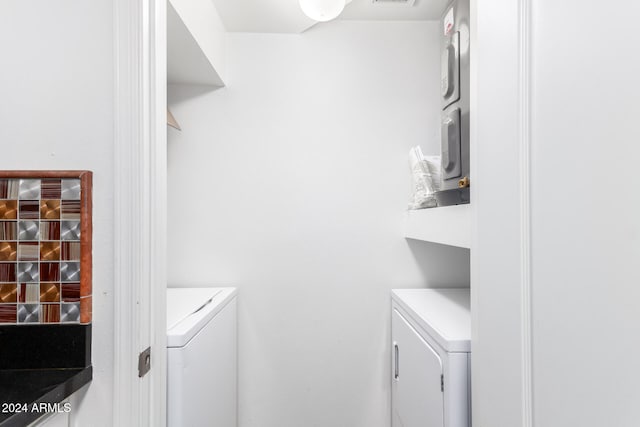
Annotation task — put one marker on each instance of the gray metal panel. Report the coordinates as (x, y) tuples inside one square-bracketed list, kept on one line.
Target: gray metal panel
[(450, 139), (461, 31), (450, 70)]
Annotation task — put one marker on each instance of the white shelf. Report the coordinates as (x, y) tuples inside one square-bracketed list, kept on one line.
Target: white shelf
[(195, 43), (448, 225)]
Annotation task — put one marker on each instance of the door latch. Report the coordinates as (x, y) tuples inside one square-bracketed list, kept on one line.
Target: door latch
[(144, 362)]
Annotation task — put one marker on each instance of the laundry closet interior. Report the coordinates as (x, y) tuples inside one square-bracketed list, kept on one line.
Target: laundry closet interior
[(289, 179)]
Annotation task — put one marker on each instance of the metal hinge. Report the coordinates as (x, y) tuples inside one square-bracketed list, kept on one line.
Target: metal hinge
[(144, 362), (442, 383)]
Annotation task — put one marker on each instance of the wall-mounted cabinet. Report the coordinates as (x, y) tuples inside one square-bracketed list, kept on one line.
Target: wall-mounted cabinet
[(195, 43), (448, 225)]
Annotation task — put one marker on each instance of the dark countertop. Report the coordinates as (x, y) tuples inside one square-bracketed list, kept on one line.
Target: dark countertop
[(41, 364), (34, 387)]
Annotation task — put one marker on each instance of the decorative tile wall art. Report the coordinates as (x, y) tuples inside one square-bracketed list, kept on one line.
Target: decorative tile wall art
[(45, 247)]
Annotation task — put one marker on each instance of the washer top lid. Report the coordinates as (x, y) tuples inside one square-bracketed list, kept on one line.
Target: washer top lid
[(190, 309), (443, 313), (182, 302)]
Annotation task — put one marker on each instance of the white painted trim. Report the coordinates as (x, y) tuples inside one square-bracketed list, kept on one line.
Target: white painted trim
[(158, 274), (127, 134), (525, 93), (501, 220), (139, 211)]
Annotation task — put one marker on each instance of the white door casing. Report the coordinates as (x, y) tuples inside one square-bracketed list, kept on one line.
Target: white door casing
[(500, 147), (140, 211)]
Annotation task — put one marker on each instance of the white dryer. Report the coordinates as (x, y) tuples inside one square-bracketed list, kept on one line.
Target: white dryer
[(201, 357), (431, 349)]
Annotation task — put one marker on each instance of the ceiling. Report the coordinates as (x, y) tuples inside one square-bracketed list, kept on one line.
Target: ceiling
[(285, 16)]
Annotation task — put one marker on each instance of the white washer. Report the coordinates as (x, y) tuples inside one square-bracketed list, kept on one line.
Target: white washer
[(431, 358), (201, 357)]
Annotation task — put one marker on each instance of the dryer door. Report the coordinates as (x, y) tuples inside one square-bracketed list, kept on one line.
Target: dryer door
[(417, 398)]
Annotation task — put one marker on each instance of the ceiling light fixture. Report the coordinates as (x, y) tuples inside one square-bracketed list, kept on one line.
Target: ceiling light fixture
[(322, 10)]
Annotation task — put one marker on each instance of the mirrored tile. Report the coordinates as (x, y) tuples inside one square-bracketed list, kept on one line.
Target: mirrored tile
[(70, 312), (70, 271), (28, 313), (70, 230), (29, 189), (28, 272), (70, 189), (28, 230)]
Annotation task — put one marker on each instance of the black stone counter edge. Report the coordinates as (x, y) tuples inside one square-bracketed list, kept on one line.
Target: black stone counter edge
[(55, 395), (45, 346)]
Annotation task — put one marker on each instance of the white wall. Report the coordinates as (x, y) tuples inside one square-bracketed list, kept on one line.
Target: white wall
[(578, 255), (57, 113), (585, 215), (291, 183)]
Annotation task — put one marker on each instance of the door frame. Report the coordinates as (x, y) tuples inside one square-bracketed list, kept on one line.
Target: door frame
[(139, 202), (501, 281)]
